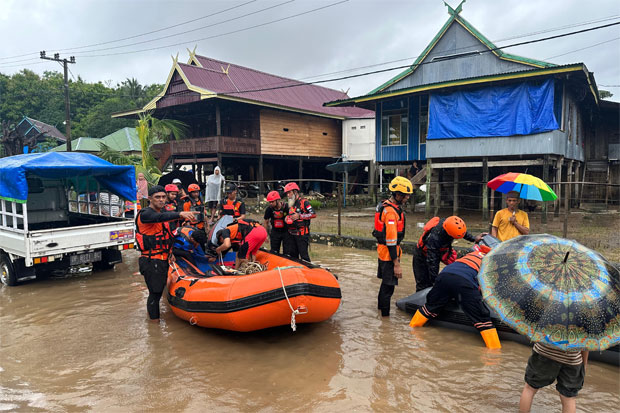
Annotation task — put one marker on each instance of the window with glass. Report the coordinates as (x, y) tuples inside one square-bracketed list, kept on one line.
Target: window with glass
[(394, 123), (423, 118)]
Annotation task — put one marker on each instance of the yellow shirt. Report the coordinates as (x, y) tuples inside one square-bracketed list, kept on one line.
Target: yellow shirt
[(505, 229)]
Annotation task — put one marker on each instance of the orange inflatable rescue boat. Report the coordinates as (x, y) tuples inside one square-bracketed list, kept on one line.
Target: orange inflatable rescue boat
[(287, 292)]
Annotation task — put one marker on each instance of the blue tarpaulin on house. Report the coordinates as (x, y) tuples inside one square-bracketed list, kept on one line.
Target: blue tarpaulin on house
[(14, 170), (521, 109)]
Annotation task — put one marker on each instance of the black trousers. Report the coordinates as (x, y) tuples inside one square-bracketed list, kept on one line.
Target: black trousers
[(420, 271), (449, 286), (296, 246), (155, 274), (385, 271), (277, 240)]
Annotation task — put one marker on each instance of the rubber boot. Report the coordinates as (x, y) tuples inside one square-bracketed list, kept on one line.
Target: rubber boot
[(418, 320), (490, 338)]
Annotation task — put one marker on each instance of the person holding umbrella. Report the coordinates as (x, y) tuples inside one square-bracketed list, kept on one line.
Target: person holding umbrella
[(564, 297), (510, 222)]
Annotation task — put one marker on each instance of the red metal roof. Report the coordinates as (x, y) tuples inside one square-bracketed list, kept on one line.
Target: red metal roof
[(47, 130), (227, 79)]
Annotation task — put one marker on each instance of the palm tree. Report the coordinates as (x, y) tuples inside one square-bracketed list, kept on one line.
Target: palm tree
[(150, 131)]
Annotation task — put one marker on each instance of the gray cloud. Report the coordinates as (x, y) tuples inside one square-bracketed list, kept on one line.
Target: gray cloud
[(350, 35)]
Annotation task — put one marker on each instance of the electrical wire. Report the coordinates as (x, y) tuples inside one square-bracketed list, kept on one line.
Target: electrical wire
[(142, 34)]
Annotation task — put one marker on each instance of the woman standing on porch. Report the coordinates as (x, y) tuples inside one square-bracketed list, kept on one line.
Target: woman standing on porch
[(215, 182)]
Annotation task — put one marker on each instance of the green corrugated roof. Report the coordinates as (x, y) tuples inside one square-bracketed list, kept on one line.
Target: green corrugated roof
[(124, 140), (80, 145), (454, 16)]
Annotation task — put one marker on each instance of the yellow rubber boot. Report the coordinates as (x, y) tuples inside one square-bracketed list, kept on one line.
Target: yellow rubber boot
[(418, 320), (490, 338)]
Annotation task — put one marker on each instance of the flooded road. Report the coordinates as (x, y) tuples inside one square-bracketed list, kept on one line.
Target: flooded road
[(83, 343)]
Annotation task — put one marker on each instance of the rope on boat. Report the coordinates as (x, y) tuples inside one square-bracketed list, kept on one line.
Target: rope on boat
[(294, 312)]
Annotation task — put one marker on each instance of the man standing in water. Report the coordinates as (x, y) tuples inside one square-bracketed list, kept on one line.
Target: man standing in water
[(510, 222), (154, 240), (389, 232)]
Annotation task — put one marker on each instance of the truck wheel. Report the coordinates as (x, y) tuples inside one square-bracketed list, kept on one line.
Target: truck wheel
[(7, 272)]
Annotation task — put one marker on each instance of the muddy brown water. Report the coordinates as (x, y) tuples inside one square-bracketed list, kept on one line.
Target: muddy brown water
[(83, 343)]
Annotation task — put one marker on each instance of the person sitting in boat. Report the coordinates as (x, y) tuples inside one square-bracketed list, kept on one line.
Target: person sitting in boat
[(189, 242), (244, 236), (460, 280), (435, 246)]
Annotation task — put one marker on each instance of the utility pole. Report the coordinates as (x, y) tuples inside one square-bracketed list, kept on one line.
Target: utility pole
[(57, 58)]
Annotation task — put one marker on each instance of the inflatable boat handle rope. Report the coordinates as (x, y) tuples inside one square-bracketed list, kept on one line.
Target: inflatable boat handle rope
[(294, 312)]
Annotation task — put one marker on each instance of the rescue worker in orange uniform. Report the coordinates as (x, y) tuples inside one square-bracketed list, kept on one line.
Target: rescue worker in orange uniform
[(389, 231), (171, 197), (230, 205), (194, 203), (435, 246), (154, 239), (245, 237), (300, 212), (460, 281), (275, 215)]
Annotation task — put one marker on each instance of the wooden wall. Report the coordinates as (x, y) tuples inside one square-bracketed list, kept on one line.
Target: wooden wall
[(306, 135)]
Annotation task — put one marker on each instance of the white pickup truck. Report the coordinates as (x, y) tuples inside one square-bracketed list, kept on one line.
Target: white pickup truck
[(67, 220)]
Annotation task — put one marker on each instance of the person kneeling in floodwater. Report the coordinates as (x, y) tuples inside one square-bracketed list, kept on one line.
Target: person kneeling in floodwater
[(188, 242), (460, 280), (243, 236)]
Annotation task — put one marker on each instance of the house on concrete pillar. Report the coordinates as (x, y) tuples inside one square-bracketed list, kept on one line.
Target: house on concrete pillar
[(472, 111), (256, 126)]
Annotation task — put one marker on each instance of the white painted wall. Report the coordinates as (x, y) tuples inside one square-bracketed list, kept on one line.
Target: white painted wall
[(358, 139)]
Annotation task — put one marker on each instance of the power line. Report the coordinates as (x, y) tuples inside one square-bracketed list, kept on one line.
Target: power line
[(584, 48), (430, 62), (189, 31), (222, 34), (142, 34), (297, 83)]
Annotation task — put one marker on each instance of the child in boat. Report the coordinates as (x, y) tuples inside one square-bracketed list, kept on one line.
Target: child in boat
[(548, 364)]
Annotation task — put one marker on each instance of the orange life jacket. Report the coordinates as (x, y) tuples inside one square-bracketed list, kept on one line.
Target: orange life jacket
[(171, 206), (239, 230), (153, 239), (432, 223), (232, 207), (195, 205), (379, 230), (473, 259)]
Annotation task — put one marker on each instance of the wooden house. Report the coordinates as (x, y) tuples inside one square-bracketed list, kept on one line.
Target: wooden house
[(255, 125), (472, 111), (32, 128)]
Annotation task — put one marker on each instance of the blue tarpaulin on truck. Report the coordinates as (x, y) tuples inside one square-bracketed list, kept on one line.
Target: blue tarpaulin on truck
[(14, 171), (522, 109)]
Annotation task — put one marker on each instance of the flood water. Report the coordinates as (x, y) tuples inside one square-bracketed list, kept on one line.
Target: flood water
[(83, 343)]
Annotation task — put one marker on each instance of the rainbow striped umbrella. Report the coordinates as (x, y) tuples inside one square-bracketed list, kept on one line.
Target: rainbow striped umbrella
[(528, 186)]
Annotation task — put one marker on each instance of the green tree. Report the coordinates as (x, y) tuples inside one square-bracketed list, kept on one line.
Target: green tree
[(604, 94), (150, 132)]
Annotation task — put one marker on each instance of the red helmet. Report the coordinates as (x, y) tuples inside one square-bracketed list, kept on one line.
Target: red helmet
[(273, 196), (455, 227), (193, 187), (171, 188), (290, 186)]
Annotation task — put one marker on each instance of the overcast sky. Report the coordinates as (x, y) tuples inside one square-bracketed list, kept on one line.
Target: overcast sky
[(348, 35)]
